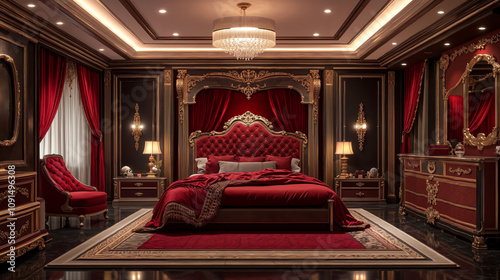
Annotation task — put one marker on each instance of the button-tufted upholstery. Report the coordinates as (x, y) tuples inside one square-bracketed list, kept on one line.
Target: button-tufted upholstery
[(248, 141), (66, 196)]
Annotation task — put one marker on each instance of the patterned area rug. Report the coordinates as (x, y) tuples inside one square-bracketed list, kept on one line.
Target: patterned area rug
[(384, 247)]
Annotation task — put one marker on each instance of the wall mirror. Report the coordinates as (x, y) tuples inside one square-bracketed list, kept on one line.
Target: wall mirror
[(10, 105), (480, 103)]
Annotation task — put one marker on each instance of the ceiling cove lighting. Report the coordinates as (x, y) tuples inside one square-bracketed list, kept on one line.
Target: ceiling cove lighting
[(244, 37)]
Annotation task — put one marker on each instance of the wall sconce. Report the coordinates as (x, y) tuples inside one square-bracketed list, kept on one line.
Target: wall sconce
[(137, 127), (360, 126)]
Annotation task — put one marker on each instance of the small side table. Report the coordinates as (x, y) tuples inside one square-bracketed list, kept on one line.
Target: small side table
[(138, 189), (361, 189)]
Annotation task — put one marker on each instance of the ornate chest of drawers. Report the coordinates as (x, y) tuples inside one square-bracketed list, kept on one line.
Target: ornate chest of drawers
[(458, 194), (361, 189), (138, 189)]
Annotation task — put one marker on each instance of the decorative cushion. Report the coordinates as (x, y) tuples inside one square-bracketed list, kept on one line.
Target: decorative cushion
[(212, 165), (281, 162), (201, 165), (251, 159), (59, 173), (85, 198), (229, 166), (295, 165)]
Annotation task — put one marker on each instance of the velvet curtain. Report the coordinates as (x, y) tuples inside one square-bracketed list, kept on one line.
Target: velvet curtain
[(289, 113), (481, 112), (52, 77), (413, 83), (208, 111), (455, 117), (88, 81)]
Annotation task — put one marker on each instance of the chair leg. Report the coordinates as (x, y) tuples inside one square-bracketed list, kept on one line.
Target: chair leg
[(106, 214), (81, 218)]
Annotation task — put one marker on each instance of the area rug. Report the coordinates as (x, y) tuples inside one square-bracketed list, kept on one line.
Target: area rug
[(380, 246)]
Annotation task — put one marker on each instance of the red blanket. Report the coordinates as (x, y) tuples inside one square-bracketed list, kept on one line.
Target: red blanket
[(196, 200)]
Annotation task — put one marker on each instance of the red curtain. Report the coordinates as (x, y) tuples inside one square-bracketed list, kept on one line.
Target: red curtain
[(52, 77), (89, 84), (208, 111), (413, 82), (289, 113), (481, 112), (455, 117)]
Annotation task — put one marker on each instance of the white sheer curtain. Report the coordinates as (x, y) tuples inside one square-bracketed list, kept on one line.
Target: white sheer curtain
[(69, 134)]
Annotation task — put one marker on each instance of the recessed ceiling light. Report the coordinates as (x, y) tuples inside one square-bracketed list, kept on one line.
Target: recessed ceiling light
[(101, 50), (394, 43), (176, 34), (316, 34), (403, 64), (162, 11), (481, 28), (447, 44), (31, 5), (440, 12), (327, 11), (59, 23)]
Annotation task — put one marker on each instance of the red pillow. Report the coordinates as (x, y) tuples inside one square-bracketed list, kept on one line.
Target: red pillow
[(212, 165), (281, 162), (251, 159)]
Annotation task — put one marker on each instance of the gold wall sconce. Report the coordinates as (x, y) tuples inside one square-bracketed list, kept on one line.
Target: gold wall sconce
[(137, 127), (360, 126)]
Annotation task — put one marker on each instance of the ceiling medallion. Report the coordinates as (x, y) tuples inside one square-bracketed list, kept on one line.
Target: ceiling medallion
[(245, 36)]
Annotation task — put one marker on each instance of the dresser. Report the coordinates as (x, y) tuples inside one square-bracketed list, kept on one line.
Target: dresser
[(457, 194), (19, 215), (138, 189), (361, 189)]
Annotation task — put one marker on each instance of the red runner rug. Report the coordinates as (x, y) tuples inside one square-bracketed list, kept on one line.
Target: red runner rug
[(252, 240)]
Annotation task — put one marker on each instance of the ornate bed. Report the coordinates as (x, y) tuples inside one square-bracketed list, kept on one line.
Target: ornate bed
[(302, 200)]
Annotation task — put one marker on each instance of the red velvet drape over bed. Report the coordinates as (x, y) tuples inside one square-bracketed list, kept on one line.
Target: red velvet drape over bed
[(481, 112)]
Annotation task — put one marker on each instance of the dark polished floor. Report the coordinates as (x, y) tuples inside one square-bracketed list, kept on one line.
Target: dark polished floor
[(66, 235)]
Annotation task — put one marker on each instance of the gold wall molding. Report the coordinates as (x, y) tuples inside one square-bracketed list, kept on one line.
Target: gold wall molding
[(107, 77), (329, 77), (391, 78), (70, 73), (167, 77), (459, 171)]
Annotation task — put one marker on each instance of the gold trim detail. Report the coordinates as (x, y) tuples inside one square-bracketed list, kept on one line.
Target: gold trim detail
[(139, 194), (4, 235), (70, 73), (137, 127), (432, 215), (248, 90), (360, 184), (432, 191), (17, 100), (138, 184), (360, 194), (391, 78), (23, 191), (248, 118), (413, 165), (167, 77), (431, 167), (181, 76), (107, 78), (360, 126), (115, 184), (481, 140), (40, 243), (329, 77), (459, 171)]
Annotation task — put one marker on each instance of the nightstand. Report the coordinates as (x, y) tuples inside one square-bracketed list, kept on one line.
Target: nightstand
[(138, 189), (361, 189)]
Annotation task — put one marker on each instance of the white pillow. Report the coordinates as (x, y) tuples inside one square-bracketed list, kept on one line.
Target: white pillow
[(231, 166), (201, 164), (295, 165)]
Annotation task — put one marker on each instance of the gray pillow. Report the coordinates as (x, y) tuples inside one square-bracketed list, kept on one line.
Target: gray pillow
[(231, 166), (201, 164)]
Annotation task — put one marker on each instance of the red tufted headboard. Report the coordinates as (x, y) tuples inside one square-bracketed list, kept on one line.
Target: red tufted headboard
[(248, 135)]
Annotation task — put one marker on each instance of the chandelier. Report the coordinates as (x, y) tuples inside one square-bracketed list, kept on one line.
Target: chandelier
[(244, 37)]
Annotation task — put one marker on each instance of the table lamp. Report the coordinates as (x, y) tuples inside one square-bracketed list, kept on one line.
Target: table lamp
[(151, 148), (343, 148)]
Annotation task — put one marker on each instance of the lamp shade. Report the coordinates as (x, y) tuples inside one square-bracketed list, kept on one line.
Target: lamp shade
[(344, 148), (152, 148)]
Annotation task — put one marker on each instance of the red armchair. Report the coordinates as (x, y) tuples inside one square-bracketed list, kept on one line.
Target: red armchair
[(65, 196)]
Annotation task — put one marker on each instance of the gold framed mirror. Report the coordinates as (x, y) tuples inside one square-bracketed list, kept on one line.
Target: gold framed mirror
[(11, 101)]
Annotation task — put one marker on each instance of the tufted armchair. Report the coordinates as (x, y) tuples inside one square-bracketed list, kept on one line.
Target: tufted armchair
[(66, 196)]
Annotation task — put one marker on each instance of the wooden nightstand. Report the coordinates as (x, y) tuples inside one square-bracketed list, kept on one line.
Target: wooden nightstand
[(361, 189), (135, 189)]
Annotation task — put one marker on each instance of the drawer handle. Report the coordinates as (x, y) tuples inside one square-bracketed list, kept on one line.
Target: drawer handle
[(139, 194), (360, 194), (360, 184), (138, 184), (413, 165), (459, 171)]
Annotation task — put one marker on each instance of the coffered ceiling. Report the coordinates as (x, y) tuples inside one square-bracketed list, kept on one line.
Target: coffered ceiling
[(383, 32)]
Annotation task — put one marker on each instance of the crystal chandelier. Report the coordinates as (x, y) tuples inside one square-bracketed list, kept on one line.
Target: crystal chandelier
[(244, 37)]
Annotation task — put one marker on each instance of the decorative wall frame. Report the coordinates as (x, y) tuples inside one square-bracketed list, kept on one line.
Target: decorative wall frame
[(16, 94)]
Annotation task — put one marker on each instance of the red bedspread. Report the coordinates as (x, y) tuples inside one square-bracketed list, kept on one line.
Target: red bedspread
[(197, 199)]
